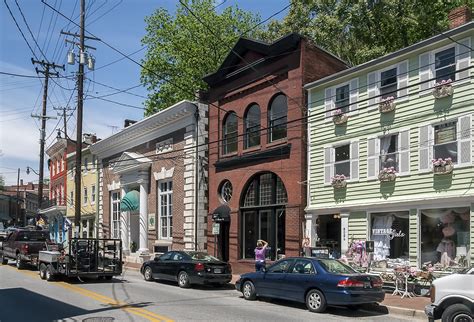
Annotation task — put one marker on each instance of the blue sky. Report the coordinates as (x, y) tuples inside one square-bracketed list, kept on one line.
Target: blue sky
[(118, 22)]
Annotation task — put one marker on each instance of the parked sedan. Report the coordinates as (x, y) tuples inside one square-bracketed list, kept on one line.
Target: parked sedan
[(315, 282), (187, 268)]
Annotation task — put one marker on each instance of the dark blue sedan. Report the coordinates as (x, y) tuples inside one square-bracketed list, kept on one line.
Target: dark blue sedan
[(316, 282)]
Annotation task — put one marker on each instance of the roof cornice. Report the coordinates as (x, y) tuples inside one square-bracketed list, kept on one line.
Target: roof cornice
[(153, 126)]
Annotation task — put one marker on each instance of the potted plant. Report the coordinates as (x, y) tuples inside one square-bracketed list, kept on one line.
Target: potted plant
[(443, 89), (442, 166), (388, 174), (387, 104), (339, 181), (339, 117)]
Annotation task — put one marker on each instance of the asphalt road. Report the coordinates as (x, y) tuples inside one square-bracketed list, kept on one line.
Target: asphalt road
[(25, 297)]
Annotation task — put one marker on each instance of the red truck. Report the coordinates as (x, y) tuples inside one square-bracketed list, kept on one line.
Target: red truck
[(23, 245)]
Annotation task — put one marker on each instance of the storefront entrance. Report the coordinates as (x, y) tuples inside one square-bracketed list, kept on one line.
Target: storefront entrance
[(328, 228)]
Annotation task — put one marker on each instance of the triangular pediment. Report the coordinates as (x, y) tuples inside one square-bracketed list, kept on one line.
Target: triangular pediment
[(130, 161)]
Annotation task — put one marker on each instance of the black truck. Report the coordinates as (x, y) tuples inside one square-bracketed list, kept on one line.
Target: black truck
[(23, 245)]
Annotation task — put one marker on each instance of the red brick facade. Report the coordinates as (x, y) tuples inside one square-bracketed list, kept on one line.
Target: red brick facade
[(287, 65)]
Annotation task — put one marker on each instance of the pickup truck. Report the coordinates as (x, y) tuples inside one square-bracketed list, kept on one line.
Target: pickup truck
[(452, 298), (23, 245)]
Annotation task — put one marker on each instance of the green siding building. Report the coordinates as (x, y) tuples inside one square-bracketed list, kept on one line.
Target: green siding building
[(374, 131)]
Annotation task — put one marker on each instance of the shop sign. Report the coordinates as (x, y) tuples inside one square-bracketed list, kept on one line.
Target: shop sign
[(392, 233), (216, 228)]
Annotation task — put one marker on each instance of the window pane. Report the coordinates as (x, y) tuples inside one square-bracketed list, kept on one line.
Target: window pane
[(445, 133), (389, 151), (445, 64), (278, 118), (342, 98), (342, 152), (252, 126), (388, 83), (448, 150), (250, 195), (230, 134), (343, 168), (281, 196), (266, 189), (250, 233)]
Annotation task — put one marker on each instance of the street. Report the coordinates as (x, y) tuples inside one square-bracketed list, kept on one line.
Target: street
[(25, 297)]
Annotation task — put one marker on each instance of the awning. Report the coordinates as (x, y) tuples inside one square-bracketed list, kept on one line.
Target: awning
[(221, 214), (131, 201)]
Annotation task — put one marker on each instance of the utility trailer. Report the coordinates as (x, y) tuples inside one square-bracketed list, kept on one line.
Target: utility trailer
[(83, 257)]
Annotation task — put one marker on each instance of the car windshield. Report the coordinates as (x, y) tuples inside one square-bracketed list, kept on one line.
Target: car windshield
[(336, 267), (33, 236), (202, 256)]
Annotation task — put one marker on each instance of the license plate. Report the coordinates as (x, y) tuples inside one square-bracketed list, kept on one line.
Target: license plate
[(217, 270)]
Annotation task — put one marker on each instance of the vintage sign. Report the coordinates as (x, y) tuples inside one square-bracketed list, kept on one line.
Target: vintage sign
[(392, 233)]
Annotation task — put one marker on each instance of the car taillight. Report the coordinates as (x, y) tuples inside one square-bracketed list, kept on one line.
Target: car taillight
[(25, 248), (199, 267), (350, 283), (377, 282), (432, 293)]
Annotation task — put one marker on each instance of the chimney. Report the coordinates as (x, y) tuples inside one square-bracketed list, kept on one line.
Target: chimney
[(89, 138), (459, 16), (128, 122)]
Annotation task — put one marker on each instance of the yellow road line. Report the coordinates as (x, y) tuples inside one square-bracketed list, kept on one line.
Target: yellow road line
[(107, 300)]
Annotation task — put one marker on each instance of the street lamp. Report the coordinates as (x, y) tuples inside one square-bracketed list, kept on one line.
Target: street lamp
[(28, 169)]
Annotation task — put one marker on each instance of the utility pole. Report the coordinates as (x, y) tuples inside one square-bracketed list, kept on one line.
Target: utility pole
[(18, 197), (64, 115), (83, 59), (47, 73)]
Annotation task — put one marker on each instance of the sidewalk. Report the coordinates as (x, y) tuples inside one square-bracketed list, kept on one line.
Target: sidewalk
[(412, 307)]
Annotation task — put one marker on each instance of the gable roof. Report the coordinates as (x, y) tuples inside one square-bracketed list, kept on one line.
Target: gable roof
[(244, 45)]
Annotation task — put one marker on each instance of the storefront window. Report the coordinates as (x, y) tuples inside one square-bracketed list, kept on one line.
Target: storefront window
[(445, 237), (390, 233)]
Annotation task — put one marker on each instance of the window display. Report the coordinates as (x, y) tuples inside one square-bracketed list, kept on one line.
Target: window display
[(390, 233), (445, 237)]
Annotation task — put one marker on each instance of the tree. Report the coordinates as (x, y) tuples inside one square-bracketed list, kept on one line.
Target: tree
[(2, 183), (181, 50), (360, 30)]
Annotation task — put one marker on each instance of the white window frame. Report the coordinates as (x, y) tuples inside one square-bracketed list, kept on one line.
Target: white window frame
[(85, 199), (354, 160), (86, 164), (330, 103), (379, 83), (71, 199), (115, 222), (169, 209)]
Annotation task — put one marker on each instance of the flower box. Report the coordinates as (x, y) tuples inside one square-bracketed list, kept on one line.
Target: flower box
[(339, 117), (387, 105), (443, 89), (442, 166), (388, 174), (339, 181)]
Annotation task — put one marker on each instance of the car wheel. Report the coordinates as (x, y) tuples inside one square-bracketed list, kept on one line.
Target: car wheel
[(183, 279), (19, 262), (315, 301), (4, 260), (147, 274), (457, 313), (248, 291), (42, 271), (49, 273)]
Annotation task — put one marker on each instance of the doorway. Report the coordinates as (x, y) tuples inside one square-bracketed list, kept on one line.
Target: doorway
[(329, 234)]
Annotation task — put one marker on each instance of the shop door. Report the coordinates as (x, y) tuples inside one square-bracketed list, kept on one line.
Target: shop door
[(251, 234)]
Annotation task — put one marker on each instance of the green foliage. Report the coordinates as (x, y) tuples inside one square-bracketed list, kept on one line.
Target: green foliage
[(360, 30), (2, 183), (181, 50)]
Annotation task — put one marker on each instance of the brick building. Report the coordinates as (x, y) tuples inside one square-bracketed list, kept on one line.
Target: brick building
[(28, 200), (148, 191), (257, 150)]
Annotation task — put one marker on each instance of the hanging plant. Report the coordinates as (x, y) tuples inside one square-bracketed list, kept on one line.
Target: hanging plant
[(339, 181), (443, 89), (388, 174), (442, 166), (339, 117), (387, 104)]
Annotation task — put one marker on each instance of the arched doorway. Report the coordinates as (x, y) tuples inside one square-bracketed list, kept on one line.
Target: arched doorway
[(262, 212)]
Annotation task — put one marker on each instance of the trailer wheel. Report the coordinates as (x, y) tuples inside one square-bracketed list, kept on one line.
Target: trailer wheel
[(4, 260), (42, 271), (19, 262), (49, 273)]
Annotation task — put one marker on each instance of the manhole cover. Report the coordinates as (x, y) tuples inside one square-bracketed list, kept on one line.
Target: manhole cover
[(99, 319)]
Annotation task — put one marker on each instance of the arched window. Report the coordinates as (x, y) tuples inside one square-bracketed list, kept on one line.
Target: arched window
[(252, 126), (277, 118), (229, 143), (263, 215)]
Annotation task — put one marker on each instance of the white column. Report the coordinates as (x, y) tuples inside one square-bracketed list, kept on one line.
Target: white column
[(143, 246), (314, 230), (124, 225), (344, 232)]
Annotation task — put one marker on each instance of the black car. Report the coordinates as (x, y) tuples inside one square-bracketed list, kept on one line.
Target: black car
[(316, 282), (187, 267)]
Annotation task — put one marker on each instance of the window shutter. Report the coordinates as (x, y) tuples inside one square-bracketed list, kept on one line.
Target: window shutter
[(463, 60), (329, 101), (404, 152), (464, 140), (425, 148), (402, 81), (372, 90), (425, 71), (328, 164), (354, 95), (372, 158), (355, 160)]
